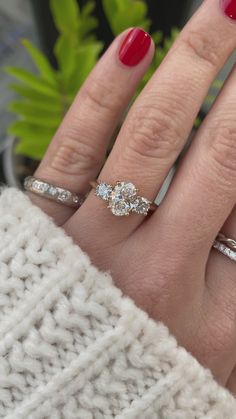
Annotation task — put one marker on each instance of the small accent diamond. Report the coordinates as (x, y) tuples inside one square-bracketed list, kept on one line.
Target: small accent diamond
[(64, 196), (141, 206), (104, 191), (76, 199), (40, 186), (52, 191)]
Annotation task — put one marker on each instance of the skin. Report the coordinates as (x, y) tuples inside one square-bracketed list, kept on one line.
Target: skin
[(164, 262)]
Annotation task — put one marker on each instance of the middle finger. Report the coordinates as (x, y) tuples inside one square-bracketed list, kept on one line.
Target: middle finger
[(162, 117)]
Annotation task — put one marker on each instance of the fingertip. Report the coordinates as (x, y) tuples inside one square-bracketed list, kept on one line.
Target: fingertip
[(135, 46)]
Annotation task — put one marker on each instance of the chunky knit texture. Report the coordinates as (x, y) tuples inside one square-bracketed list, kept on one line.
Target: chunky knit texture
[(71, 346)]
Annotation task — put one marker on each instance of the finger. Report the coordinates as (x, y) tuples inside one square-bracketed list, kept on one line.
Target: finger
[(161, 119), (203, 192), (77, 151)]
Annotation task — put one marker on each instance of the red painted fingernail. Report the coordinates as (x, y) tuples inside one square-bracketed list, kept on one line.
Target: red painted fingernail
[(134, 47), (229, 8)]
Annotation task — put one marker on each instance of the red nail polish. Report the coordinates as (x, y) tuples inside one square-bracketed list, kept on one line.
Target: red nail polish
[(229, 8), (135, 46)]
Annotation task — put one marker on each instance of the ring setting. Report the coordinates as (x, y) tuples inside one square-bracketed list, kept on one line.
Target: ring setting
[(122, 198)]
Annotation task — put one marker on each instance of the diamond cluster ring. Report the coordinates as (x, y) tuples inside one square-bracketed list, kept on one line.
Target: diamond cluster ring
[(123, 198), (46, 190)]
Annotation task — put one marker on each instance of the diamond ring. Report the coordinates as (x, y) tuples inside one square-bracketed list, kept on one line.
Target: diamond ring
[(123, 198), (46, 190)]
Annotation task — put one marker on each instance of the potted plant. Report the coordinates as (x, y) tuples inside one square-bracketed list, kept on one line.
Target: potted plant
[(45, 96)]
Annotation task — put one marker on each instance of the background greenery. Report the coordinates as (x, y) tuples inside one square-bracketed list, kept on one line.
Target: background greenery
[(44, 96)]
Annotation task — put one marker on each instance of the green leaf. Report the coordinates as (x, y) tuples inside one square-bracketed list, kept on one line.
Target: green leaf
[(88, 8), (31, 80), (110, 9), (157, 37), (35, 115), (122, 14), (66, 15), (66, 56), (36, 99), (41, 62), (86, 59), (32, 131), (33, 139), (86, 26)]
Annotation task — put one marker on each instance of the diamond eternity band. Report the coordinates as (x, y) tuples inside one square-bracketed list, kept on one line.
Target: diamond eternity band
[(225, 250), (55, 193)]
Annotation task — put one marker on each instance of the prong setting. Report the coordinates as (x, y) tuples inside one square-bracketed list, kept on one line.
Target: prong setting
[(122, 198)]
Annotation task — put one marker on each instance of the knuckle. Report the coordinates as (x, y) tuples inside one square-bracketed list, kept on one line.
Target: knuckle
[(154, 133), (203, 45), (221, 148), (101, 96), (74, 155)]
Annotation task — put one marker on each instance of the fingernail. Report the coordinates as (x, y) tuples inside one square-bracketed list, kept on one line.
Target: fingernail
[(134, 47), (229, 8)]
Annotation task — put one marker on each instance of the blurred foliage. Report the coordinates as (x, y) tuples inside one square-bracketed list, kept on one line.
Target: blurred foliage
[(44, 98), (122, 14)]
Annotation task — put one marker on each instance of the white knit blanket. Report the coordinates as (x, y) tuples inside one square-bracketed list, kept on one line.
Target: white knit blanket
[(71, 346)]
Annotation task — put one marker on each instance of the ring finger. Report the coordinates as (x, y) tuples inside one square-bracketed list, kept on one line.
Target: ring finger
[(162, 117)]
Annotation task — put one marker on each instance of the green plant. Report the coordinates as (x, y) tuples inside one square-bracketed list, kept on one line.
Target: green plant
[(45, 97)]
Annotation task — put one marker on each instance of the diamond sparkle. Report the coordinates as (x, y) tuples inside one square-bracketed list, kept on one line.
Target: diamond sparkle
[(104, 191), (120, 208), (64, 196), (40, 186), (122, 198), (141, 205), (124, 190)]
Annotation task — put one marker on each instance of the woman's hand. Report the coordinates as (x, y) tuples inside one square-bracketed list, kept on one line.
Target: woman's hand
[(165, 262)]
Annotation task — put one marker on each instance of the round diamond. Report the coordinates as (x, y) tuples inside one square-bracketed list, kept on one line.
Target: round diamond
[(64, 196), (141, 205), (52, 191), (120, 208), (104, 191), (124, 190), (40, 186), (75, 199)]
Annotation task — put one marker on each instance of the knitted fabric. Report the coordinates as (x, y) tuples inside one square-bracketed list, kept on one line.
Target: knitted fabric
[(71, 346)]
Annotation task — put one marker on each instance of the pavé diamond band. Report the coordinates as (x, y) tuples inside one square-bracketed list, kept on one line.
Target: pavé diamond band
[(226, 246), (55, 193), (231, 243), (123, 198)]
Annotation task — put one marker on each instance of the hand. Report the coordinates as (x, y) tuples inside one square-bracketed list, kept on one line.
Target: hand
[(164, 262)]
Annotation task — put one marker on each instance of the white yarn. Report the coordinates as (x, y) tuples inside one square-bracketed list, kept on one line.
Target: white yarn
[(71, 346)]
